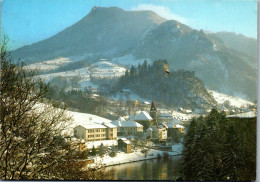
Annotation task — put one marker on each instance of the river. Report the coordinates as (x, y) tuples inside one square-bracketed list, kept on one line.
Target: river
[(154, 169)]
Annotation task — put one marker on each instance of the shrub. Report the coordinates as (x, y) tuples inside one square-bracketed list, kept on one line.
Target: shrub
[(112, 154), (159, 156), (165, 155)]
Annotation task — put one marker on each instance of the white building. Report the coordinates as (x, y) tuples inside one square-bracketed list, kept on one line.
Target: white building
[(95, 132), (127, 127), (157, 132)]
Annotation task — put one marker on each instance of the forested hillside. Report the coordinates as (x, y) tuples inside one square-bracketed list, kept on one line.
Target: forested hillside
[(220, 148), (173, 88)]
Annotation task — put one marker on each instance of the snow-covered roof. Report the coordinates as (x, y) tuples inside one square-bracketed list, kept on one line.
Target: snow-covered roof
[(84, 118), (149, 129), (173, 123), (110, 125), (121, 119), (126, 124), (125, 140), (250, 114), (95, 95), (143, 116), (92, 125), (147, 103), (131, 117), (179, 126), (164, 115)]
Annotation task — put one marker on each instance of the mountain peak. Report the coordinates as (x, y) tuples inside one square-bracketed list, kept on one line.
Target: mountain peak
[(105, 9)]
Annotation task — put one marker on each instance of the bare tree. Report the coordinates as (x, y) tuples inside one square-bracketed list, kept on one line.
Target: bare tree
[(31, 142)]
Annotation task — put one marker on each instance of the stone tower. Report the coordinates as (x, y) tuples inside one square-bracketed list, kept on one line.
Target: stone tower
[(153, 112)]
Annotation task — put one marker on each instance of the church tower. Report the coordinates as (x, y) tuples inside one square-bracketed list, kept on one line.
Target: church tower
[(153, 112)]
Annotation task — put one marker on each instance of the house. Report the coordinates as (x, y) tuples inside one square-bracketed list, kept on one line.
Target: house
[(180, 128), (95, 132), (144, 105), (157, 132), (125, 144), (188, 111), (127, 127), (173, 127), (164, 117), (111, 131), (137, 102), (144, 119)]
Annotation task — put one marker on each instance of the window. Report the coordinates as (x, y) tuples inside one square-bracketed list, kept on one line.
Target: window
[(111, 129), (91, 131), (97, 135), (111, 134), (97, 130)]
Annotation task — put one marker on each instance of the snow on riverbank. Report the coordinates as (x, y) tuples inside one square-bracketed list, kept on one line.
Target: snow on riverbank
[(96, 144), (123, 157)]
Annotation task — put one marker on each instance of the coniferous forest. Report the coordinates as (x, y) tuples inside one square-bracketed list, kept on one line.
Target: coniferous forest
[(220, 148), (173, 88)]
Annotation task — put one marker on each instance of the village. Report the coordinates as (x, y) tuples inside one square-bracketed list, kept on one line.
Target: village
[(144, 135), (149, 133)]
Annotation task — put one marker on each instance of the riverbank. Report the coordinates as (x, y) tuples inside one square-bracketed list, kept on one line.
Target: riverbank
[(123, 158)]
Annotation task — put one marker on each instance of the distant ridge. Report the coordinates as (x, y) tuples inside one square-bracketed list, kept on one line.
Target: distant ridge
[(223, 61)]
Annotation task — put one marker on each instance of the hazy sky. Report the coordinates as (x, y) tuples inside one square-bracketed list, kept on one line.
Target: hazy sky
[(29, 21)]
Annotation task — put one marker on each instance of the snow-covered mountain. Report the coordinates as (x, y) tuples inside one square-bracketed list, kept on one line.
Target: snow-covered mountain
[(132, 36)]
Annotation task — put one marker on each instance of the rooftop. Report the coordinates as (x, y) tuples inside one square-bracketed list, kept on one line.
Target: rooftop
[(92, 125), (165, 115), (126, 124), (143, 116), (110, 125)]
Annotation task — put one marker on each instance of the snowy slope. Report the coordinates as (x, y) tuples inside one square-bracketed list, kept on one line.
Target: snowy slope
[(129, 60), (102, 69), (183, 117), (250, 114), (49, 64), (234, 101), (106, 69)]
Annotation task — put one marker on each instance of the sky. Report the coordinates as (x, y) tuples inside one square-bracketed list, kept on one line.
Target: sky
[(29, 21)]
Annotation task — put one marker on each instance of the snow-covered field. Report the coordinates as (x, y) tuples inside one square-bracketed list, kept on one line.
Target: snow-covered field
[(129, 60), (234, 101), (123, 157), (96, 144), (183, 117), (102, 69), (132, 97), (49, 64), (250, 114), (106, 69)]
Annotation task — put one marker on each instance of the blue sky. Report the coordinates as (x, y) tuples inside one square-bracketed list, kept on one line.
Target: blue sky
[(29, 21)]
